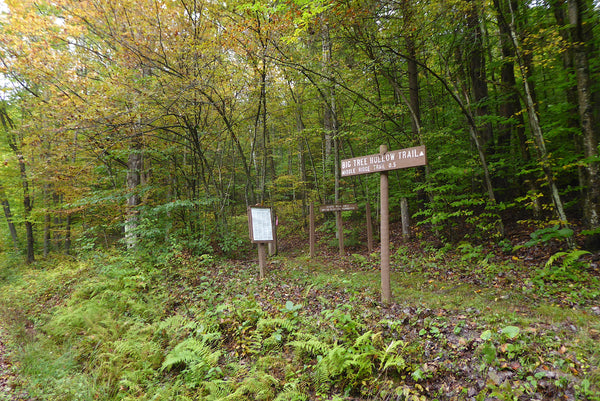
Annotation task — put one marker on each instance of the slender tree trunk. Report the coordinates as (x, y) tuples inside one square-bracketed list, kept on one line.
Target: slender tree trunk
[(27, 205), (477, 72), (327, 110), (510, 108), (8, 126), (27, 208), (537, 133), (413, 90), (560, 14), (330, 115), (68, 234), (9, 217), (134, 168), (586, 114), (47, 233)]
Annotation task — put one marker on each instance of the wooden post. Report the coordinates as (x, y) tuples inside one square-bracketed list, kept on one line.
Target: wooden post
[(262, 260), (273, 245), (369, 229), (340, 229), (383, 162), (311, 234), (386, 292), (405, 219)]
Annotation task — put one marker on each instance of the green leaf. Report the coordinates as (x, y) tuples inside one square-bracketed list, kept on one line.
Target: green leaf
[(291, 307), (489, 353), (486, 335), (418, 375), (511, 331)]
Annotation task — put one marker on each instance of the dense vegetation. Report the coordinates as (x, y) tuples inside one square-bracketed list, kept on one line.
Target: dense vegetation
[(463, 326), (158, 122)]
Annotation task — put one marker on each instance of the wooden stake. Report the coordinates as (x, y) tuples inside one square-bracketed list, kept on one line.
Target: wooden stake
[(312, 233), (340, 229), (386, 292), (262, 260), (405, 219), (369, 229)]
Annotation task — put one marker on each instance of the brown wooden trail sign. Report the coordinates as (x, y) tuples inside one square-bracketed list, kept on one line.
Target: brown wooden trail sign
[(403, 158), (338, 207), (382, 163)]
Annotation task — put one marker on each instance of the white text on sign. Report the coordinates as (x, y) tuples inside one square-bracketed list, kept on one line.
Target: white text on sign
[(393, 160)]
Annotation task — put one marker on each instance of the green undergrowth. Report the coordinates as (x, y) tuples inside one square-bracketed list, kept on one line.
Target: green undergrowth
[(116, 327)]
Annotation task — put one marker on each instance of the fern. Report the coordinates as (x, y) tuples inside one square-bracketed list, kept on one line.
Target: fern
[(310, 346), (291, 392), (193, 355), (329, 368), (268, 325), (569, 258), (258, 386), (391, 358), (364, 341), (217, 390)]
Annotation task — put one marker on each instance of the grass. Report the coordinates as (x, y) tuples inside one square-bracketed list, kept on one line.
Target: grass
[(131, 328)]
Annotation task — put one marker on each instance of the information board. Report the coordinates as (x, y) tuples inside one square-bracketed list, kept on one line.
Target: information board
[(261, 224)]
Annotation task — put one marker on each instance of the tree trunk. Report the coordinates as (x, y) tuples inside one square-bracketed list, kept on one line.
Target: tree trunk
[(134, 168), (560, 14), (68, 234), (9, 217), (413, 90), (27, 208), (510, 107), (537, 133), (586, 114), (477, 72), (8, 125), (47, 233)]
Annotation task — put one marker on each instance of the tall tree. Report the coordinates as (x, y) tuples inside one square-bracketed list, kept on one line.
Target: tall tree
[(582, 51), (536, 128), (7, 124), (477, 69)]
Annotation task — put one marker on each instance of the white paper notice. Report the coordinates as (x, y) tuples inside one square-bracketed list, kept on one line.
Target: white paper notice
[(262, 228)]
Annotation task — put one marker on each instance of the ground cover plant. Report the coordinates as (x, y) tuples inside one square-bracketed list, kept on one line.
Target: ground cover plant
[(185, 327)]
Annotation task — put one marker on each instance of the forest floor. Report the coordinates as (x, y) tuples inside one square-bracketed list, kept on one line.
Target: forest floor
[(8, 377), (476, 321)]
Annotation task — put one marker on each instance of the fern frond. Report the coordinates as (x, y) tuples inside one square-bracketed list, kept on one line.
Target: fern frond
[(573, 257), (554, 258), (259, 386), (311, 346), (217, 390), (391, 358), (266, 325), (291, 392), (365, 339), (569, 257), (188, 353)]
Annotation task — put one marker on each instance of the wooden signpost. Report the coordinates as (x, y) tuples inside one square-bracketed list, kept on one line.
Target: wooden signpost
[(260, 224), (382, 163), (338, 208)]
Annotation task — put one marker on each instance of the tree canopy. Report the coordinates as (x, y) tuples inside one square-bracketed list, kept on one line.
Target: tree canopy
[(158, 122)]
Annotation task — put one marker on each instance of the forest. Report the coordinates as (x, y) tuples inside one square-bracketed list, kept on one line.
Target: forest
[(135, 135), (156, 123)]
